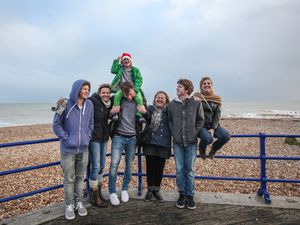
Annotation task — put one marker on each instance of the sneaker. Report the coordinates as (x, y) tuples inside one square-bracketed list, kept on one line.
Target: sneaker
[(124, 196), (181, 201), (81, 209), (148, 196), (69, 213), (114, 200), (191, 204)]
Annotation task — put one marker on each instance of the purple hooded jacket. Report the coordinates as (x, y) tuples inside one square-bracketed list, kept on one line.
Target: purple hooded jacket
[(74, 127)]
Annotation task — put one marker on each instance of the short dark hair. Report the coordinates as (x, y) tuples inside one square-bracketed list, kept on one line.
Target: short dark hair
[(187, 84), (86, 83), (126, 87), (103, 86)]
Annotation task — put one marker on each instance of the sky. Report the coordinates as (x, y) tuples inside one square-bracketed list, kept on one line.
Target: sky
[(251, 49)]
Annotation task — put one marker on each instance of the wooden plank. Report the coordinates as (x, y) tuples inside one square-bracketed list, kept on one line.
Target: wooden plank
[(141, 212)]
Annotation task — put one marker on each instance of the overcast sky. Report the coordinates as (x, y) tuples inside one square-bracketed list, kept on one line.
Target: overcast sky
[(251, 49)]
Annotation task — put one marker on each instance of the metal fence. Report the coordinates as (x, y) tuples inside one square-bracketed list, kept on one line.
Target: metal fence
[(262, 191)]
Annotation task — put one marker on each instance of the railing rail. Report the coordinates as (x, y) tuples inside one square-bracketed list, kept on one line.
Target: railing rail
[(262, 191)]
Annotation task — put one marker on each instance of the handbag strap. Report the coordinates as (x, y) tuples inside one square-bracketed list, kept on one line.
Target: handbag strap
[(207, 104)]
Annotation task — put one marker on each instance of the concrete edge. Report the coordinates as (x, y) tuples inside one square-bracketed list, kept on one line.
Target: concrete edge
[(56, 210)]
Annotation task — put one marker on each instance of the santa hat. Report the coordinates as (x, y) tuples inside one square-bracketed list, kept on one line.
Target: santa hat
[(126, 56)]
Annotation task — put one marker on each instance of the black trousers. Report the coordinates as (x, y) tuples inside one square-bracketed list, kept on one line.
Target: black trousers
[(155, 168)]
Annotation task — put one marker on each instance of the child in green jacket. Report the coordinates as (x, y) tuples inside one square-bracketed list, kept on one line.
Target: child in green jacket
[(124, 71)]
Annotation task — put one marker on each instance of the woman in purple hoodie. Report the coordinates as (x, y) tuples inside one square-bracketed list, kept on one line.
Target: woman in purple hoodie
[(74, 129)]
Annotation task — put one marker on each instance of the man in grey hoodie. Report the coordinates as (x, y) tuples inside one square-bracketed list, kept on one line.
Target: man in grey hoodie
[(186, 118), (74, 129)]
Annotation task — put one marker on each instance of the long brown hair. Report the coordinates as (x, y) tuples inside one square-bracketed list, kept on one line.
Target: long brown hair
[(164, 93)]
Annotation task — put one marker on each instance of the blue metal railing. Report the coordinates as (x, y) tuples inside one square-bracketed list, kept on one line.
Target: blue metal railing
[(262, 191)]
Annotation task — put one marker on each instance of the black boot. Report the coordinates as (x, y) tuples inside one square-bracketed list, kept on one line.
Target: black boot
[(202, 153), (149, 193), (157, 194), (212, 153)]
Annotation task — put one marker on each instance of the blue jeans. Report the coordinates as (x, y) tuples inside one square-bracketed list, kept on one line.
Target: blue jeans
[(222, 135), (74, 169), (120, 143), (185, 158), (97, 150)]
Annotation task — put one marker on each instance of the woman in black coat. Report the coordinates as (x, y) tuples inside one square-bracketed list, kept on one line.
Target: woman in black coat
[(212, 113), (156, 138)]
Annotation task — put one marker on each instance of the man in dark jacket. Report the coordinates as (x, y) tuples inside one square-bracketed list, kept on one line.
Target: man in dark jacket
[(124, 138), (97, 147), (185, 121)]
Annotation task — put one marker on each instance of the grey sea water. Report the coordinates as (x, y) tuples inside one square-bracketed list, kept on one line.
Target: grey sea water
[(15, 114)]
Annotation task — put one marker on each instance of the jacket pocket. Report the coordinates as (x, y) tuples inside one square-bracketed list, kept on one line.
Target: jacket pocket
[(85, 140), (71, 142)]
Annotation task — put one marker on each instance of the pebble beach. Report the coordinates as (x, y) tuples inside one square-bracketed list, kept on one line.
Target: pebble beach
[(22, 156)]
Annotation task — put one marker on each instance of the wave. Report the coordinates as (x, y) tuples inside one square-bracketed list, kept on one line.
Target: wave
[(268, 114)]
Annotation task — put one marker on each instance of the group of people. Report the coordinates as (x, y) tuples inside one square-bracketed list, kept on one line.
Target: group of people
[(84, 124)]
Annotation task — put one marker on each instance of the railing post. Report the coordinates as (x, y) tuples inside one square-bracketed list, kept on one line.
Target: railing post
[(140, 175), (262, 191)]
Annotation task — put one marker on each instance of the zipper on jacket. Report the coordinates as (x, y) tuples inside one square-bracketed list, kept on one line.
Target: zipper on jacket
[(79, 131)]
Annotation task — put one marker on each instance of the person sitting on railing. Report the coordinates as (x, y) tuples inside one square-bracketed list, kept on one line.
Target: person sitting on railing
[(212, 113), (186, 118), (74, 127), (156, 142), (97, 147), (124, 137)]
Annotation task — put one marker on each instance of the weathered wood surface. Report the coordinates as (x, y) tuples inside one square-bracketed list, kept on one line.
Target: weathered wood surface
[(141, 212)]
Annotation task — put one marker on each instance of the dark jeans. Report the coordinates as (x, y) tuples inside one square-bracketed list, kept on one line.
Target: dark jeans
[(154, 170), (221, 134)]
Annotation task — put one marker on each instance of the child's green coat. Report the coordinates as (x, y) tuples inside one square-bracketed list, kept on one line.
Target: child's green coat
[(117, 68)]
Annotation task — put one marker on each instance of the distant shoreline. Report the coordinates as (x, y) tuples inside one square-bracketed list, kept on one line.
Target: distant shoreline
[(222, 119)]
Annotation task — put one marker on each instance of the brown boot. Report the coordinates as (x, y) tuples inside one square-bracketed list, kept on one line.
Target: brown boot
[(95, 199), (212, 153), (100, 194)]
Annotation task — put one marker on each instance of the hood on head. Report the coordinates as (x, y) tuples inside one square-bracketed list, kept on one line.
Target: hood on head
[(76, 87)]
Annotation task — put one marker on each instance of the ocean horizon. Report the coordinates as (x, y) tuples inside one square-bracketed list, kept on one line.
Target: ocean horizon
[(16, 114)]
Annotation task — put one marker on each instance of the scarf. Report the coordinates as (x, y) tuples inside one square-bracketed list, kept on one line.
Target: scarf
[(209, 96), (106, 104), (156, 118)]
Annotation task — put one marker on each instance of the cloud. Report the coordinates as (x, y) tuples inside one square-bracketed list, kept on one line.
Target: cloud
[(247, 47)]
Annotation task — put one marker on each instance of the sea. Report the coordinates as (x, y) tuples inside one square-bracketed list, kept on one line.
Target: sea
[(16, 114)]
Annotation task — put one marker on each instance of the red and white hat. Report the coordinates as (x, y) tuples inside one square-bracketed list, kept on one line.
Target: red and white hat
[(126, 56)]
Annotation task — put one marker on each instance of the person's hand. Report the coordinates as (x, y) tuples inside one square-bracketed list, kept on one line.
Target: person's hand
[(212, 131), (115, 110), (141, 109), (61, 101), (196, 98), (119, 57)]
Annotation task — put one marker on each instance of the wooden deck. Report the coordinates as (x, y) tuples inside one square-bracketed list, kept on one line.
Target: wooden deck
[(212, 208), (141, 212)]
